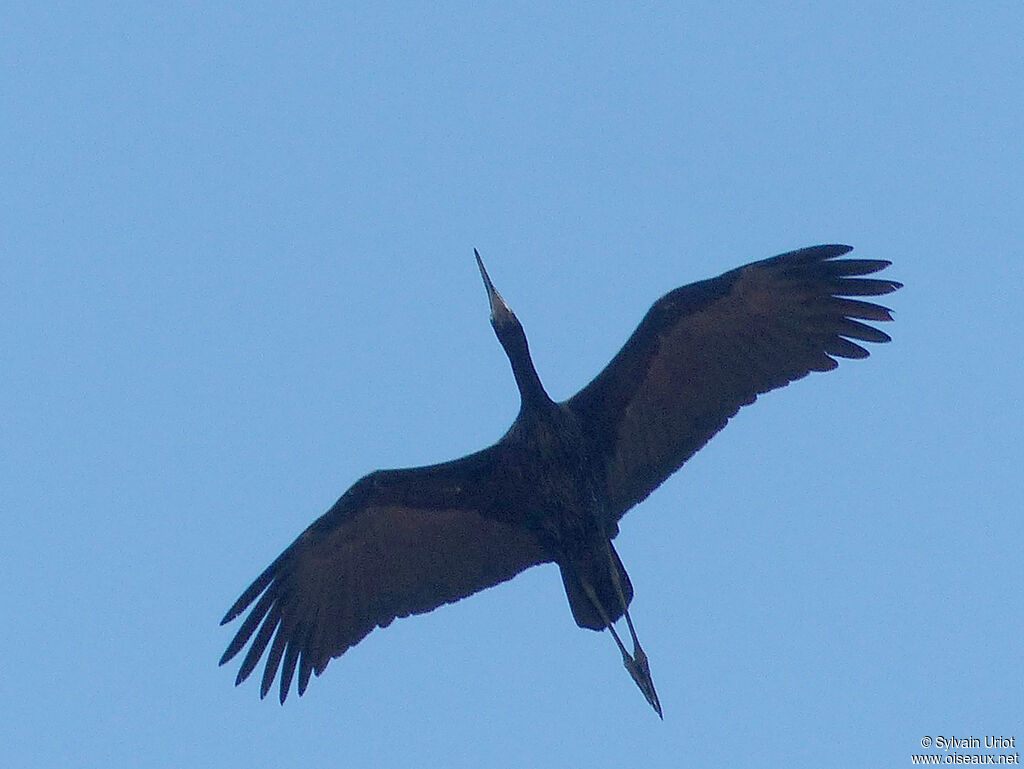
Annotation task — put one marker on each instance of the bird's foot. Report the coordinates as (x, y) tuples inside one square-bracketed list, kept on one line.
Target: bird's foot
[(640, 670)]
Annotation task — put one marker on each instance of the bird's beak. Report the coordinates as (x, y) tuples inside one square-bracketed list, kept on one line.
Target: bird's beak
[(500, 311)]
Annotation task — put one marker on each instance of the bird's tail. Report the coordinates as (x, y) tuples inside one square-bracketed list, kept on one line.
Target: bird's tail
[(598, 574)]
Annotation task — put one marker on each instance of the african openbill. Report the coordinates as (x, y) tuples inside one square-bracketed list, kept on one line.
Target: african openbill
[(554, 487)]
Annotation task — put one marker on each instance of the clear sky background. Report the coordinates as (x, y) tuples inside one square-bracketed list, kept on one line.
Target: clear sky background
[(237, 275)]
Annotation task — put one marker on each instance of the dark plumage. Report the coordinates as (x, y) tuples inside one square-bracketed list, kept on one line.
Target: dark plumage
[(555, 486)]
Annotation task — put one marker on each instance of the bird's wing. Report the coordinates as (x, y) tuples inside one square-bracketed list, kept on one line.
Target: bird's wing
[(399, 542), (705, 350)]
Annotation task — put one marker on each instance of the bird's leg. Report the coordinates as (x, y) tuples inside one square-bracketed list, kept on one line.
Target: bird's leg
[(637, 665), (604, 617), (638, 668)]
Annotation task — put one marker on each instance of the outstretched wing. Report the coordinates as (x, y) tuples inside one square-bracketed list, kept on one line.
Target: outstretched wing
[(705, 350), (398, 542)]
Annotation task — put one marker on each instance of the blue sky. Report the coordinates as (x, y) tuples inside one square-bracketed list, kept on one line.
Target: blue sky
[(238, 275)]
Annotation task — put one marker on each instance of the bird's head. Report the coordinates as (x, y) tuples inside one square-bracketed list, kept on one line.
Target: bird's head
[(502, 316), (510, 334)]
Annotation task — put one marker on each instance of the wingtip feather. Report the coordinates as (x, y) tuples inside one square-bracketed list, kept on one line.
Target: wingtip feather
[(840, 248), (291, 655)]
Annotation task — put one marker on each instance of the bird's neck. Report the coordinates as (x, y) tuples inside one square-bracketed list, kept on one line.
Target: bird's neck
[(530, 388)]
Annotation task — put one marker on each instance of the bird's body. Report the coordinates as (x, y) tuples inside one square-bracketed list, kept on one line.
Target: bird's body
[(554, 488), (558, 488)]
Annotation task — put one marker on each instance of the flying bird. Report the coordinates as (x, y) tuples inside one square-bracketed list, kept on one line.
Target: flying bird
[(555, 486)]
